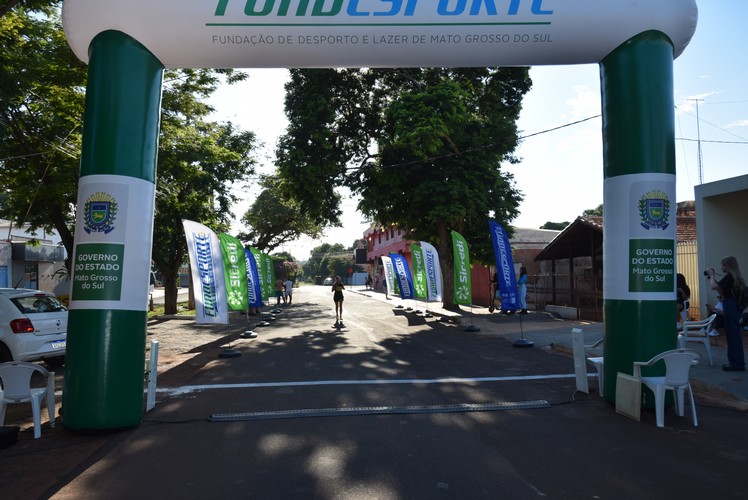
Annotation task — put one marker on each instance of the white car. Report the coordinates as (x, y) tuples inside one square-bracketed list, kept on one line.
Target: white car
[(33, 326)]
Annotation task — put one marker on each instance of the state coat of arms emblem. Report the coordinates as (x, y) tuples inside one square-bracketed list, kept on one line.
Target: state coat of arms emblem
[(654, 210), (100, 212)]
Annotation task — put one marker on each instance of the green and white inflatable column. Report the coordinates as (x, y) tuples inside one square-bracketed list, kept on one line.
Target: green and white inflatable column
[(103, 387), (639, 198)]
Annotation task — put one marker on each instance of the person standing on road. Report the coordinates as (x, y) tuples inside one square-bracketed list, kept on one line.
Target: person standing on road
[(731, 288), (279, 292), (522, 289), (289, 290), (337, 297)]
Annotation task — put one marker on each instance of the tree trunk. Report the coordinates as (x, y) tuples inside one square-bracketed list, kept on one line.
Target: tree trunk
[(170, 291), (65, 236)]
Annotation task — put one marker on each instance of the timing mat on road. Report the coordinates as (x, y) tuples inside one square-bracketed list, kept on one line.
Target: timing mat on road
[(376, 410)]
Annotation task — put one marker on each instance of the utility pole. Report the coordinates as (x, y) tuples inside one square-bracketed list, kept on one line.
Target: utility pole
[(698, 142)]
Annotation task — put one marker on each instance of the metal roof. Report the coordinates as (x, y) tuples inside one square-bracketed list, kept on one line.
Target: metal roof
[(584, 237)]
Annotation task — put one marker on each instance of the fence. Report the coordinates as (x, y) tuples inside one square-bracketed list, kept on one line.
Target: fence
[(688, 266), (586, 295)]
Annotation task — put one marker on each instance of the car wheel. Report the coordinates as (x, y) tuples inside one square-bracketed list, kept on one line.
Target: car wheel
[(5, 355), (55, 362)]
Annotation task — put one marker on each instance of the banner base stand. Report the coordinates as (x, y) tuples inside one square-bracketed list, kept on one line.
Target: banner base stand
[(472, 328), (229, 353), (523, 343), (249, 334)]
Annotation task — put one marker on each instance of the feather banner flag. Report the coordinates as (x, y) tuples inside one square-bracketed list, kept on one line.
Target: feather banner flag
[(463, 293), (254, 290), (269, 275), (235, 271), (206, 266), (433, 272), (260, 266), (389, 274), (402, 274), (504, 267), (419, 271)]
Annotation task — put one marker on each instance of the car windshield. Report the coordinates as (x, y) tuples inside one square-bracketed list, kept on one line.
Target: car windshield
[(32, 304)]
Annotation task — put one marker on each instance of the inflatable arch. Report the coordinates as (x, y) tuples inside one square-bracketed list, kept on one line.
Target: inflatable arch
[(128, 44)]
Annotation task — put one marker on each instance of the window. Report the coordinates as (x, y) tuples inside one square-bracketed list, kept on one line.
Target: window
[(31, 276), (38, 304)]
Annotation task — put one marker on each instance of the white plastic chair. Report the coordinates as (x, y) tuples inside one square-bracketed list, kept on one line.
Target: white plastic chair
[(15, 377), (598, 362), (697, 331), (677, 365)]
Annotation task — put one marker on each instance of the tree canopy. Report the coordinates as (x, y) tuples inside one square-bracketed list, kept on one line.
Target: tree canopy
[(42, 93), (330, 260), (198, 161), (274, 220), (557, 226), (42, 89), (597, 211), (422, 147)]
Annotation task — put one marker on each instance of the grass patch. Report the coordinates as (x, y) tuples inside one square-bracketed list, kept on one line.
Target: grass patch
[(158, 310)]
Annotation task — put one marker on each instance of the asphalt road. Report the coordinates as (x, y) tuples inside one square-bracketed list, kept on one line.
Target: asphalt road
[(277, 422)]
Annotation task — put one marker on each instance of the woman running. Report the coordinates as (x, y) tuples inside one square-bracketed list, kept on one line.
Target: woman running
[(337, 297)]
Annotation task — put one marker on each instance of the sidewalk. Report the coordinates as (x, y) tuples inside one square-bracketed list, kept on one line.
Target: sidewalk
[(711, 384)]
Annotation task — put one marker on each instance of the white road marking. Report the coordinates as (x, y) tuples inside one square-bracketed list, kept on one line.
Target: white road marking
[(177, 391)]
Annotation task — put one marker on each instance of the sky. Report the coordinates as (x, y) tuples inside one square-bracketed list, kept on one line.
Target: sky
[(561, 171)]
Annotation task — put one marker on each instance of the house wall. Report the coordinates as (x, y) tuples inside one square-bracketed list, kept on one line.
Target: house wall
[(721, 227), (47, 254), (48, 279), (6, 265)]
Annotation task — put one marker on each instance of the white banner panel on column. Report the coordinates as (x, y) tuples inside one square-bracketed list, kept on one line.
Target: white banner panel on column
[(377, 33)]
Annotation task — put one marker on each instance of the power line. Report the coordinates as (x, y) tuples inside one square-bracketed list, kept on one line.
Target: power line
[(710, 142), (713, 125), (27, 156)]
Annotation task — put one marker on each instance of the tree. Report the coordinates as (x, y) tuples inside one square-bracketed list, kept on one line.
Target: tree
[(309, 164), (598, 211), (273, 220), (557, 226), (289, 269), (42, 92), (197, 162), (319, 259), (29, 5), (338, 266), (423, 148), (42, 87)]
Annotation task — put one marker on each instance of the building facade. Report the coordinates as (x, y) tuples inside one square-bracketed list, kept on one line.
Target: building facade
[(32, 259)]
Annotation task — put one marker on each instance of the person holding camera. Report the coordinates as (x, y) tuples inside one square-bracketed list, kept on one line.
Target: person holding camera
[(731, 288)]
